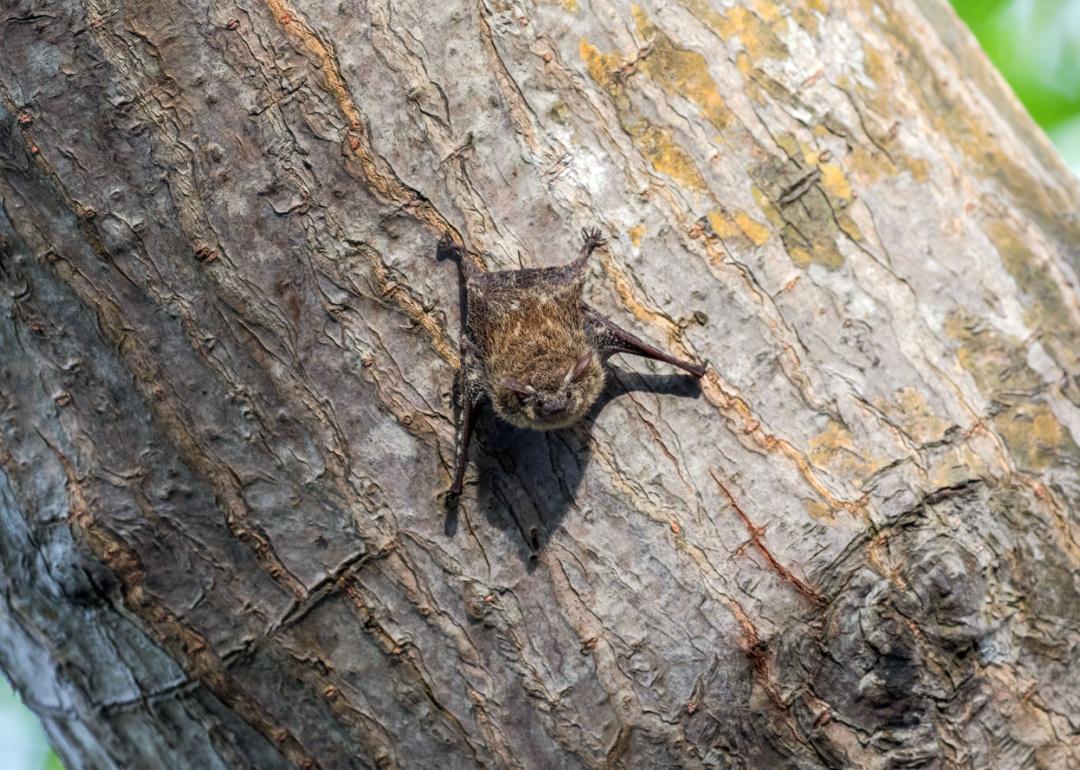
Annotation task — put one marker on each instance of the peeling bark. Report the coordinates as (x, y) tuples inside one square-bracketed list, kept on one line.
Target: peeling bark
[(228, 353)]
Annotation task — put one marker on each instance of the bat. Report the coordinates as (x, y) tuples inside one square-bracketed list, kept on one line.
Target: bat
[(532, 347)]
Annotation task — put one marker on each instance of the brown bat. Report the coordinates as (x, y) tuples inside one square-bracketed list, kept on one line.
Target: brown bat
[(533, 348)]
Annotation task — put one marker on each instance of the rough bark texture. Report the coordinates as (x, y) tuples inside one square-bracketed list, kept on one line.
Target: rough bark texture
[(228, 352)]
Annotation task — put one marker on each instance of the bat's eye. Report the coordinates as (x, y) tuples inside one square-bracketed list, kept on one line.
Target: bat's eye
[(581, 367)]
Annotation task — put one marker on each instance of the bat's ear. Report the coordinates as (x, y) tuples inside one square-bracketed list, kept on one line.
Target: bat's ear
[(581, 366), (516, 387)]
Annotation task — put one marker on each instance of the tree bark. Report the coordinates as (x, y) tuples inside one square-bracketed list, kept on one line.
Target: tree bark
[(228, 354)]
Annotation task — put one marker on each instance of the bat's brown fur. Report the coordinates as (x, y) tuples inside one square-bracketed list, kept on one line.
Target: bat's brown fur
[(534, 348), (531, 339)]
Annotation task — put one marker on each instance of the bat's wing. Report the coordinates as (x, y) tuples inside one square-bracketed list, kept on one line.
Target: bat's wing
[(610, 338), (469, 390), (470, 407)]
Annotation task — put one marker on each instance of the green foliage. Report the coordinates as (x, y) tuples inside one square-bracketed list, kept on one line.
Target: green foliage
[(22, 741), (1036, 46)]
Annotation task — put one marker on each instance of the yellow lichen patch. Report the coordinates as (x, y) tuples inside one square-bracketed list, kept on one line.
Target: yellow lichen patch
[(1035, 437), (848, 225), (919, 167), (739, 225), (913, 415), (869, 166), (998, 364), (834, 181), (955, 466), (819, 510), (820, 249), (806, 197), (834, 451), (756, 232), (723, 225), (791, 145), (559, 112), (680, 72), (869, 161), (791, 194), (1046, 308), (602, 67), (571, 5), (874, 66), (664, 154), (805, 18), (745, 65), (654, 142), (636, 233), (800, 256), (767, 10), (753, 28), (994, 361), (767, 207), (755, 34)]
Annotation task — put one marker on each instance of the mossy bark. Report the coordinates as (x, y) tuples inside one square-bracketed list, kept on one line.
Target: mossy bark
[(228, 352)]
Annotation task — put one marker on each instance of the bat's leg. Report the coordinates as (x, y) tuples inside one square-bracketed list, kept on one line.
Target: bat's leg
[(470, 408), (612, 339), (472, 398), (468, 390)]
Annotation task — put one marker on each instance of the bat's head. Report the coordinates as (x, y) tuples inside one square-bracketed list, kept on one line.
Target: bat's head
[(554, 394)]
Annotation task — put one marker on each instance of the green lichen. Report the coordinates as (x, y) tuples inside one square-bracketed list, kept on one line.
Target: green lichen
[(1035, 437)]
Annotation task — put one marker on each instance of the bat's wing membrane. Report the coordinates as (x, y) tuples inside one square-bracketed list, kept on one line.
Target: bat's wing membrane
[(610, 339)]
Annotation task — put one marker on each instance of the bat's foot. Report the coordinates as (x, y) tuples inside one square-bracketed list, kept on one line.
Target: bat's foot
[(450, 495), (447, 249), (593, 239)]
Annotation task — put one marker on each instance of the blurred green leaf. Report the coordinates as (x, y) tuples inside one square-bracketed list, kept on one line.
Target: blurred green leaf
[(975, 12), (23, 744), (1036, 46)]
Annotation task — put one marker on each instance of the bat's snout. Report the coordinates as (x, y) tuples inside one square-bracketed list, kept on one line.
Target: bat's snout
[(554, 407)]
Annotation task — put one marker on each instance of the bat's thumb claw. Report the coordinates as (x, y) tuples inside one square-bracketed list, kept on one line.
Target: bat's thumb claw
[(592, 236)]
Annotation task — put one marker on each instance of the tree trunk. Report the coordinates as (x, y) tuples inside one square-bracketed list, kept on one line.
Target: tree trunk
[(228, 355)]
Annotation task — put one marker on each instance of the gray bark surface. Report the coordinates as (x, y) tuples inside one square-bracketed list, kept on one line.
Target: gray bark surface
[(227, 353)]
